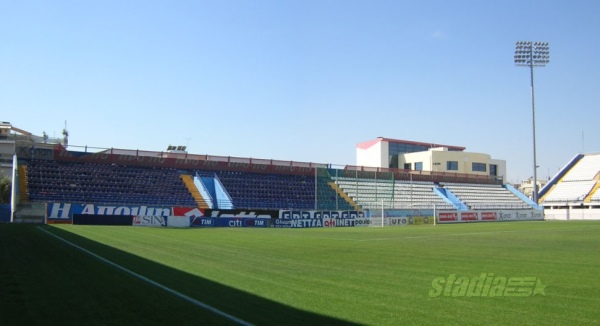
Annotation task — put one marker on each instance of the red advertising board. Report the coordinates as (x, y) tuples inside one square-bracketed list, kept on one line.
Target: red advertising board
[(468, 216), (489, 216), (448, 217)]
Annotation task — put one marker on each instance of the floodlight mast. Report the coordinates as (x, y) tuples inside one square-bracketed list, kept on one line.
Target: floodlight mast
[(532, 54)]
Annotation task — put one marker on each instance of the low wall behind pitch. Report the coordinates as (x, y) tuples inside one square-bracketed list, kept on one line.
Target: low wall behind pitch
[(91, 214)]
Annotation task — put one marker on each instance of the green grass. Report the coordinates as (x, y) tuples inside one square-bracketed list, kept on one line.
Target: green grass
[(376, 276)]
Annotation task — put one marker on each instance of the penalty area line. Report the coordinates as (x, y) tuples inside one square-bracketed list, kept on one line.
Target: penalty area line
[(572, 228), (147, 280)]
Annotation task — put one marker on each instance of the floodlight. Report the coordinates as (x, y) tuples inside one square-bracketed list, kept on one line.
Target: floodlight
[(532, 54)]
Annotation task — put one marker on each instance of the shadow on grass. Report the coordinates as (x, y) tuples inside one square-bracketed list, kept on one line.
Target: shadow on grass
[(47, 281)]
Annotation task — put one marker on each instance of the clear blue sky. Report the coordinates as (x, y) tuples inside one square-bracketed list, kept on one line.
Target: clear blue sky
[(304, 80)]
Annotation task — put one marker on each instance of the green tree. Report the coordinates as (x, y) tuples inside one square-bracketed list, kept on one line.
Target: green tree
[(5, 188)]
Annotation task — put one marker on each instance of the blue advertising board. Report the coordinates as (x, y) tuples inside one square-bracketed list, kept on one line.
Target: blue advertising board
[(232, 222), (298, 223), (63, 212)]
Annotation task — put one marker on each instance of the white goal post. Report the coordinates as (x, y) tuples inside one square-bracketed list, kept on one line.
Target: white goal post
[(403, 216)]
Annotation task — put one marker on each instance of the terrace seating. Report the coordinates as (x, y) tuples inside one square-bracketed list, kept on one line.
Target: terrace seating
[(570, 191), (420, 194), (106, 184), (577, 183), (249, 190), (482, 196), (268, 191), (586, 169), (373, 193)]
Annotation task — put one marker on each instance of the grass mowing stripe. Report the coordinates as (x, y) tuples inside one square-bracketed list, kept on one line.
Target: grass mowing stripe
[(145, 279), (435, 235), (376, 282)]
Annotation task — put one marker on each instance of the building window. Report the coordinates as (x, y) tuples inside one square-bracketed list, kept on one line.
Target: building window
[(408, 166), (419, 166), (493, 170), (452, 165), (479, 167)]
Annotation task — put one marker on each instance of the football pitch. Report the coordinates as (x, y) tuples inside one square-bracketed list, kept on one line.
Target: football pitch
[(510, 273)]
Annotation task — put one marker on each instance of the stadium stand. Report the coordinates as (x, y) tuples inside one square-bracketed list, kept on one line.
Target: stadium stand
[(106, 184), (121, 184), (586, 169), (577, 184), (145, 178), (398, 194), (476, 196), (57, 172), (269, 191), (572, 194)]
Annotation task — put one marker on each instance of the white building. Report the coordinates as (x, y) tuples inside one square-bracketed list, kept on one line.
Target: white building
[(410, 155), (9, 134)]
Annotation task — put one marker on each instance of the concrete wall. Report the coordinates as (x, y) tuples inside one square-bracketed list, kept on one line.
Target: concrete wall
[(573, 214)]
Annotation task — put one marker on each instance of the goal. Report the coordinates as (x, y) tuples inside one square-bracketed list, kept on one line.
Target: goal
[(378, 222)]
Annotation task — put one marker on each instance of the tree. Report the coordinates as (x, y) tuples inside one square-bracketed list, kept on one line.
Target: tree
[(5, 188)]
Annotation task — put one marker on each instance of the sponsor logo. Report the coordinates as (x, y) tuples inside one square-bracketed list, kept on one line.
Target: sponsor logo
[(65, 211), (352, 214), (522, 216), (149, 221), (201, 221), (505, 216), (184, 211), (327, 214), (303, 215), (37, 153), (255, 222), (537, 215), (312, 223), (488, 216), (245, 222), (236, 214), (279, 223), (468, 216), (486, 285), (362, 222), (288, 215), (448, 217), (295, 223), (59, 211), (228, 222), (235, 223), (399, 221), (337, 222)]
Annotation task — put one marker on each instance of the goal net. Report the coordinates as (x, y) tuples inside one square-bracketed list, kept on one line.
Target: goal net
[(401, 217), (377, 222)]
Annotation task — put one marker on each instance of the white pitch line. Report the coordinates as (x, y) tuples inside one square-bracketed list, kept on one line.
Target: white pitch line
[(473, 233), (145, 279), (570, 228)]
